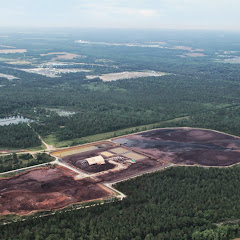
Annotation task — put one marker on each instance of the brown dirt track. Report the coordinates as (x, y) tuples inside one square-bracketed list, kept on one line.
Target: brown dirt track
[(187, 146), (45, 189)]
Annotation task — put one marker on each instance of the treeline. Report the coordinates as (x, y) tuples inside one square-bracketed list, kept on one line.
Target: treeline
[(226, 232), (179, 203), (18, 136), (14, 161), (226, 119)]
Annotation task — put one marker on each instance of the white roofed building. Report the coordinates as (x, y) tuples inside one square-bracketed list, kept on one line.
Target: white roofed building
[(95, 160)]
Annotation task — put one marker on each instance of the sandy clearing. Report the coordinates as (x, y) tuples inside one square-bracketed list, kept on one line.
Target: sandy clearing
[(232, 60), (187, 48), (107, 154), (19, 62), (192, 54), (126, 75), (62, 55), (68, 152), (6, 46), (195, 54), (53, 72), (134, 156), (119, 150), (9, 77), (6, 51)]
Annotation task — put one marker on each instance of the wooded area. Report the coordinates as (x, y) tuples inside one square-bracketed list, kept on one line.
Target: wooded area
[(204, 89), (179, 203), (14, 161)]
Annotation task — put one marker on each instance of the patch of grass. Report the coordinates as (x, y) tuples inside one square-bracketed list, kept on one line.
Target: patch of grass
[(52, 140), (102, 87), (38, 148), (9, 218)]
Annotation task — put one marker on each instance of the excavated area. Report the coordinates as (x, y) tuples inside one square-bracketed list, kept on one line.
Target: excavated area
[(186, 146), (136, 169), (46, 189)]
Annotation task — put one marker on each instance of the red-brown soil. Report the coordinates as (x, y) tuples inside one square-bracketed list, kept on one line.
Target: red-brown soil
[(186, 146), (45, 189), (135, 169)]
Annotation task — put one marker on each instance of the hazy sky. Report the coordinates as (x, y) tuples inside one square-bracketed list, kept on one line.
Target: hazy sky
[(193, 14)]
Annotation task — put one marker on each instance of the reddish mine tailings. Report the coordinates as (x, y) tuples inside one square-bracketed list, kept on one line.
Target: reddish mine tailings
[(186, 146), (45, 189)]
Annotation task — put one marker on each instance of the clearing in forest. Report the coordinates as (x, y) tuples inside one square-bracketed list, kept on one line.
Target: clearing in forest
[(126, 75)]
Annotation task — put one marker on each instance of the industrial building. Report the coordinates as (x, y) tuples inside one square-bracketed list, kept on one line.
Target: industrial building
[(95, 160)]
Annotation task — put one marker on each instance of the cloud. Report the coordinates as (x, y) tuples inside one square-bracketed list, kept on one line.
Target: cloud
[(148, 12), (135, 11), (122, 13), (109, 7)]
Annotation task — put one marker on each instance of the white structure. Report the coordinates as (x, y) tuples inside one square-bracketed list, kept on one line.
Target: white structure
[(95, 160)]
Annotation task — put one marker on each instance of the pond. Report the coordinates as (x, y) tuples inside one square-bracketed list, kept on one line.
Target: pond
[(64, 113), (13, 120)]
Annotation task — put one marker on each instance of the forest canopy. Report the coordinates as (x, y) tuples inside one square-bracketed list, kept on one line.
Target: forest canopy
[(179, 203)]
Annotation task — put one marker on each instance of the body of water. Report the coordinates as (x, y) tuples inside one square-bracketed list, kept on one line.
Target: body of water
[(13, 120)]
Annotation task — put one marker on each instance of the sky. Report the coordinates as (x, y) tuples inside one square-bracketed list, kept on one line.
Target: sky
[(160, 14)]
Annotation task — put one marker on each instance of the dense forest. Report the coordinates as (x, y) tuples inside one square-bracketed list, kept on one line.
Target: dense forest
[(178, 203), (205, 89), (18, 136)]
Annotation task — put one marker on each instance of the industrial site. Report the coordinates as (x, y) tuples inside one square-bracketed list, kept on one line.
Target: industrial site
[(86, 173)]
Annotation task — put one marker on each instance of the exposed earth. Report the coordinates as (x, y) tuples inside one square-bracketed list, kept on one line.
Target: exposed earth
[(77, 179), (46, 189), (186, 146)]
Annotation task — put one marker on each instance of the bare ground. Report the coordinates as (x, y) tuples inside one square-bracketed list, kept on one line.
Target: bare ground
[(45, 189), (187, 146)]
